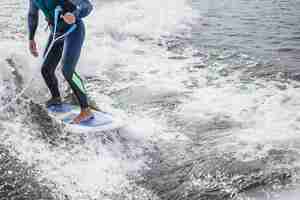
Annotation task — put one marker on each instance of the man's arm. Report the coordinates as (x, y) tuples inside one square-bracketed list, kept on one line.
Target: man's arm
[(84, 8), (32, 19)]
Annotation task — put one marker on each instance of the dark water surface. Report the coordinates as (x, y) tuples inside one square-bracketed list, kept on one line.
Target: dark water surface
[(266, 29)]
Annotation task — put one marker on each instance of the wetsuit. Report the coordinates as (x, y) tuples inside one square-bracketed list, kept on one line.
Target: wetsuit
[(68, 49)]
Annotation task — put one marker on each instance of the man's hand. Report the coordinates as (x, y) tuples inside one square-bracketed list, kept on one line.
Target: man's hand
[(33, 48), (69, 18)]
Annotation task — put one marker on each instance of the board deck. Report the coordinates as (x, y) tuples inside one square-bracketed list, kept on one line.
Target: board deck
[(101, 121)]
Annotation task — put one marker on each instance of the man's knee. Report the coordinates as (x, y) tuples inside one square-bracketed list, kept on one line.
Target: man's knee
[(67, 74), (45, 70)]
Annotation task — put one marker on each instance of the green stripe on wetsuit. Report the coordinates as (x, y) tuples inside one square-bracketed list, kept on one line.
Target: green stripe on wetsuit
[(78, 82)]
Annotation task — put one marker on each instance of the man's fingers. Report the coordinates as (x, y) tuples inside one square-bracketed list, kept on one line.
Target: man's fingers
[(69, 18), (33, 49), (35, 54)]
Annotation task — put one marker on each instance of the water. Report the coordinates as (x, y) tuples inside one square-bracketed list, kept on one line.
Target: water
[(202, 84), (267, 29)]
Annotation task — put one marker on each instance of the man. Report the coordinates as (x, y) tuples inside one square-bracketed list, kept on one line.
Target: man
[(67, 50)]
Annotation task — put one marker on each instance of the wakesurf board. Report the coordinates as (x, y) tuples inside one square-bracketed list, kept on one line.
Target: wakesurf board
[(101, 121)]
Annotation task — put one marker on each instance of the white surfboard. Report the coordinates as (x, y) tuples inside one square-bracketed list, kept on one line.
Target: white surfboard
[(102, 121)]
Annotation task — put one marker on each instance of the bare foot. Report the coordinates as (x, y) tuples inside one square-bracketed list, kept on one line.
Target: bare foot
[(84, 115)]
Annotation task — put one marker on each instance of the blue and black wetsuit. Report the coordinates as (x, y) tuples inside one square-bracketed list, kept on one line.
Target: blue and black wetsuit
[(68, 49)]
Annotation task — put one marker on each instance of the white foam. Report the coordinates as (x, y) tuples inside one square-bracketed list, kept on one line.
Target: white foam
[(97, 170)]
